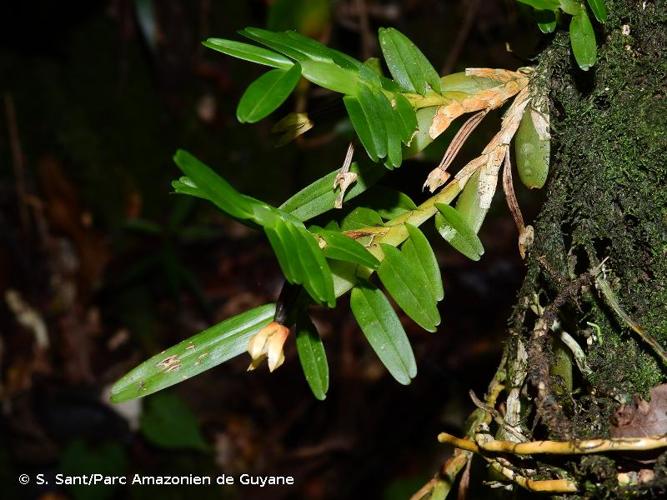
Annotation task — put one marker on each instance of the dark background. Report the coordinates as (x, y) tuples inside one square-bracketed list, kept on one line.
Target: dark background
[(96, 97)]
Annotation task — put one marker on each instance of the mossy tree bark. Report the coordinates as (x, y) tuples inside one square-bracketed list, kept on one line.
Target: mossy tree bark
[(606, 202)]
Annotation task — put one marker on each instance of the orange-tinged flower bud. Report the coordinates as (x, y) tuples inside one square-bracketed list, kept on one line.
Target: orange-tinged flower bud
[(268, 343)]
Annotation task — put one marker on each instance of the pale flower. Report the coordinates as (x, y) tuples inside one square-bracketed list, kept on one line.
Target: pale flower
[(268, 343)]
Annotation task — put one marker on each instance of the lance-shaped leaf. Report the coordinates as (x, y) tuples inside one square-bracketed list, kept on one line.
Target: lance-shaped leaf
[(372, 107), (322, 66), (214, 187), (532, 148), (248, 52), (312, 356), (301, 260), (319, 197), (341, 247), (405, 281), (406, 63), (384, 332), (267, 93), (190, 357), (599, 9), (407, 118), (361, 217), (418, 250), (582, 39), (421, 138), (456, 231), (362, 126)]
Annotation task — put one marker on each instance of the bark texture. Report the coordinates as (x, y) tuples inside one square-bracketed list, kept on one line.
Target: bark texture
[(606, 199)]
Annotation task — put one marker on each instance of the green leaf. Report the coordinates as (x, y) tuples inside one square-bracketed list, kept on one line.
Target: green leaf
[(571, 7), (404, 280), (384, 332), (361, 126), (421, 139), (418, 250), (582, 39), (468, 206), (532, 151), (167, 422), (281, 242), (546, 20), (467, 84), (319, 197), (341, 247), (406, 63), (312, 356), (301, 260), (371, 102), (599, 9), (359, 218), (199, 353), (204, 180), (249, 52), (407, 118), (316, 278), (323, 66), (267, 93), (449, 224), (542, 4)]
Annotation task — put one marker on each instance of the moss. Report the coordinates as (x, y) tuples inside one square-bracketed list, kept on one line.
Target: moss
[(606, 199)]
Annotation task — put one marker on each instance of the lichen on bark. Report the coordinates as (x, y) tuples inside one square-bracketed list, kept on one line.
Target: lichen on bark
[(606, 199)]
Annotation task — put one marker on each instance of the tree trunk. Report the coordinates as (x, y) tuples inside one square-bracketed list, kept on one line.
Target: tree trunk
[(598, 266)]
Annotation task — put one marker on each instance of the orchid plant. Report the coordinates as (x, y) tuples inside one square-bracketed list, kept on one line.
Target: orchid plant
[(368, 253)]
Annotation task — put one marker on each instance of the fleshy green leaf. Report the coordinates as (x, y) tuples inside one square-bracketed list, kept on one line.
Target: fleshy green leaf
[(468, 204), (418, 250), (312, 356), (301, 260), (571, 7), (341, 247), (406, 63), (319, 197), (267, 93), (215, 188), (421, 138), (599, 9), (407, 118), (168, 423), (546, 20), (249, 52), (190, 357), (532, 150), (323, 66), (582, 39), (384, 332), (361, 126), (468, 84), (361, 217), (404, 280), (450, 224), (372, 104)]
